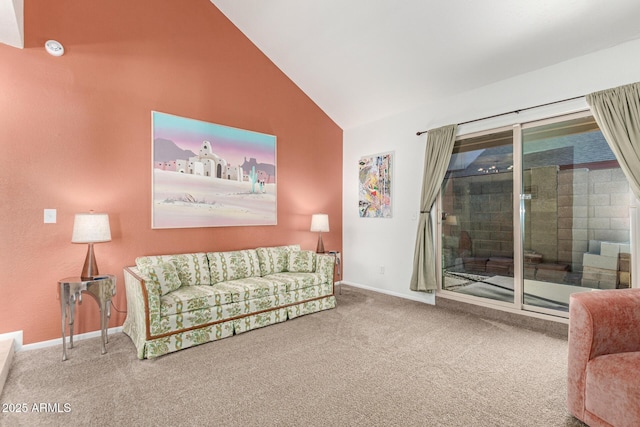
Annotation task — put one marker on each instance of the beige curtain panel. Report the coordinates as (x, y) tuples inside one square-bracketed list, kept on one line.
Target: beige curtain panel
[(436, 160), (617, 112)]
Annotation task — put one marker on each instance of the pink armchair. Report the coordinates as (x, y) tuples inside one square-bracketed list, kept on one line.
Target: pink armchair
[(604, 357)]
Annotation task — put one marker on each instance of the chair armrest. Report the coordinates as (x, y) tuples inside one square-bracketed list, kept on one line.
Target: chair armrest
[(610, 319), (600, 322)]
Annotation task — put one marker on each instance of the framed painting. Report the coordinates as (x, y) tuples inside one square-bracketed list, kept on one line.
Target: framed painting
[(375, 189), (209, 175)]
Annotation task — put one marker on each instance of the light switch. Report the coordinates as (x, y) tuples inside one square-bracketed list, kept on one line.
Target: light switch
[(49, 216)]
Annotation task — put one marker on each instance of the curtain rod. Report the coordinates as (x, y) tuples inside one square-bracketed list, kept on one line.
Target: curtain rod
[(511, 112)]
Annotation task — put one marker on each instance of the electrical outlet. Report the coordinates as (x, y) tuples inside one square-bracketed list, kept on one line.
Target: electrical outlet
[(382, 269), (49, 216)]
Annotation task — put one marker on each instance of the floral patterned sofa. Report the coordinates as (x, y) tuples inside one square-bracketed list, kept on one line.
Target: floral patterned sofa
[(178, 301)]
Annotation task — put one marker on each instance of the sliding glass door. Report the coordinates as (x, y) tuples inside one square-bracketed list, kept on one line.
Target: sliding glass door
[(477, 218), (567, 229), (576, 203)]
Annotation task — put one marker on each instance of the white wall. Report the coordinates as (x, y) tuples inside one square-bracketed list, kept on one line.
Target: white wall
[(371, 243)]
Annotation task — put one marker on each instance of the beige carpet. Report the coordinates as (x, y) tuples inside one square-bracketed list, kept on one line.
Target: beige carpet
[(375, 360)]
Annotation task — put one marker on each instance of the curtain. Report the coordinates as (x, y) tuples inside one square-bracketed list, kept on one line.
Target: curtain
[(436, 160), (617, 112)]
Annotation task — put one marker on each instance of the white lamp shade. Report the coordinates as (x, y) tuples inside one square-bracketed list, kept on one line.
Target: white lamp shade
[(451, 220), (320, 222), (91, 228)]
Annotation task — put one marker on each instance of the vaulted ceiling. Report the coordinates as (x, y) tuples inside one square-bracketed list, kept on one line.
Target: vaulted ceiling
[(362, 60), (12, 23)]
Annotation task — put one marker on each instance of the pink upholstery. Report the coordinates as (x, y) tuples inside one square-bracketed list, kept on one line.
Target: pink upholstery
[(604, 357)]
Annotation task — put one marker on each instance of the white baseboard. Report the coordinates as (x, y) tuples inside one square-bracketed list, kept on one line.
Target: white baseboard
[(422, 297), (58, 341), (427, 298), (431, 299)]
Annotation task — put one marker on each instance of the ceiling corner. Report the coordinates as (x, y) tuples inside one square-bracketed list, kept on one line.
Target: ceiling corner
[(12, 23)]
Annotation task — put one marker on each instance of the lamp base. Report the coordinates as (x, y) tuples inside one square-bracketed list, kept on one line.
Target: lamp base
[(320, 247), (90, 268)]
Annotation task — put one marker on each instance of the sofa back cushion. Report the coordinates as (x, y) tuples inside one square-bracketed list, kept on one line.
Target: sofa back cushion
[(233, 265), (275, 259), (192, 269), (302, 261), (166, 276)]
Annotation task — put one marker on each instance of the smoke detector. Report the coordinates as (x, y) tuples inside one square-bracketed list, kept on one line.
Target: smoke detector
[(54, 48)]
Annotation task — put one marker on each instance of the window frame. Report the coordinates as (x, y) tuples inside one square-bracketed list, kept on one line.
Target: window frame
[(517, 128)]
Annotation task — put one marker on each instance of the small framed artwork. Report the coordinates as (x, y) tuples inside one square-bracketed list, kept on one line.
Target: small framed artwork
[(375, 185), (209, 175)]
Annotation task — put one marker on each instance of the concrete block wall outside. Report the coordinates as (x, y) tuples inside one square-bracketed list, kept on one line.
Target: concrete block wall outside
[(611, 249), (599, 261)]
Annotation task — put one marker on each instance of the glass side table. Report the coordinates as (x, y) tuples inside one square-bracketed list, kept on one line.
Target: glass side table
[(101, 288)]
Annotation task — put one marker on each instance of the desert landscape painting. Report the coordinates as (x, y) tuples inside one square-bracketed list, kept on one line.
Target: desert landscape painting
[(210, 175)]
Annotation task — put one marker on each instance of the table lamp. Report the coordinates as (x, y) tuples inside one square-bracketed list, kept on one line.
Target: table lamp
[(90, 228), (451, 220), (320, 223)]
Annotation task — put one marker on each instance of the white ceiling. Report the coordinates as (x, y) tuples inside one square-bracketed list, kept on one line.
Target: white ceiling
[(11, 22), (362, 60)]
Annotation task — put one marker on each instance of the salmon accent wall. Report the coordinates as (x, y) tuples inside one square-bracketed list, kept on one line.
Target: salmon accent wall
[(75, 135)]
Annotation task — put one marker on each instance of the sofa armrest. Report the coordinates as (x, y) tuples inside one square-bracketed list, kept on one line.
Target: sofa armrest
[(325, 265), (145, 298), (600, 322)]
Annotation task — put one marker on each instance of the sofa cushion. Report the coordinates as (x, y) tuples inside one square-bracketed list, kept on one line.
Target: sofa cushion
[(233, 265), (197, 318), (307, 293), (193, 298), (295, 281), (192, 269), (275, 259), (252, 288), (302, 261), (166, 276)]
